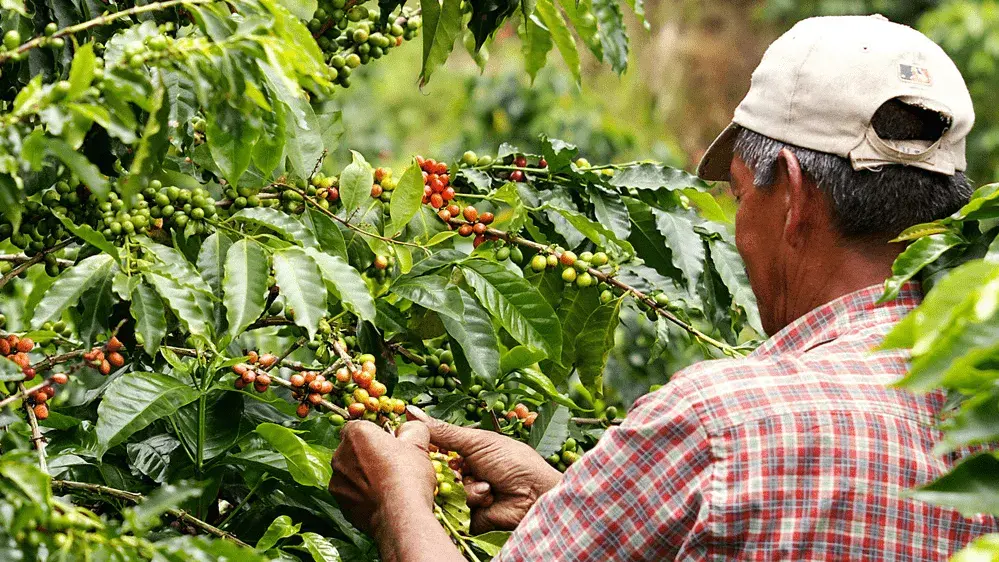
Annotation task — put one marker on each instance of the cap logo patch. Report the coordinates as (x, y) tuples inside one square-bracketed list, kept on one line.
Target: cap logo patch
[(914, 74)]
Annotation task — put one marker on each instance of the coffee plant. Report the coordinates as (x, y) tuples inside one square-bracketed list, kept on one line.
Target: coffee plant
[(196, 300)]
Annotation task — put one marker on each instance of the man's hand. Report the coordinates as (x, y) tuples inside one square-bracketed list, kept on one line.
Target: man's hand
[(376, 474), (512, 476)]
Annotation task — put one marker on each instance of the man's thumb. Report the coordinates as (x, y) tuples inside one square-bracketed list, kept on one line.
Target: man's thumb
[(444, 435), (417, 434)]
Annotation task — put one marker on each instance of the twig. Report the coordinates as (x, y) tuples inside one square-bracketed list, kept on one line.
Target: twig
[(242, 502), (409, 355), (270, 321), (21, 258), (342, 352), (136, 498), (37, 258), (600, 276), (36, 434), (295, 345), (596, 421), (98, 21)]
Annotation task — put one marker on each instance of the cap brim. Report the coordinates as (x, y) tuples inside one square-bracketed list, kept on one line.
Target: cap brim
[(714, 165)]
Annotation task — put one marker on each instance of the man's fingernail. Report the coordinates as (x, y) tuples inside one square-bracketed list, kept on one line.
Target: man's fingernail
[(479, 488), (416, 412)]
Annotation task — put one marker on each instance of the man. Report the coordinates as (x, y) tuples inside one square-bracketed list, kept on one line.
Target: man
[(853, 129)]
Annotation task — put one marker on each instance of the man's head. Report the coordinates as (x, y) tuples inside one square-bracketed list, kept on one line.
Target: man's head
[(853, 130)]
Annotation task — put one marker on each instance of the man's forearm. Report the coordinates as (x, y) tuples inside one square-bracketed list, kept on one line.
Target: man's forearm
[(410, 533)]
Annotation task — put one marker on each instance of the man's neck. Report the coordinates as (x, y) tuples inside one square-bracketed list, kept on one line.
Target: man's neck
[(838, 271)]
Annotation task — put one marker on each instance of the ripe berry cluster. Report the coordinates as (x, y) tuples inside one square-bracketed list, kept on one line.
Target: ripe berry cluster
[(476, 224), (437, 189), (16, 349), (103, 358), (248, 372), (521, 412), (364, 396)]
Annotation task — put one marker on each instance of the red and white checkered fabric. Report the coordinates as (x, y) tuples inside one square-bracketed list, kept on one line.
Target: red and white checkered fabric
[(798, 452)]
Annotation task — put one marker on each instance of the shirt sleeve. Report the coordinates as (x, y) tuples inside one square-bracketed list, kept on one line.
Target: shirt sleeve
[(636, 496)]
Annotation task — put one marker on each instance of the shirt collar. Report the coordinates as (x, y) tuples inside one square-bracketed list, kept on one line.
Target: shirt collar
[(848, 313)]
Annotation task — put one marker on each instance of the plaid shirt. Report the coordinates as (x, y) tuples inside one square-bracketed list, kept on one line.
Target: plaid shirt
[(798, 452)]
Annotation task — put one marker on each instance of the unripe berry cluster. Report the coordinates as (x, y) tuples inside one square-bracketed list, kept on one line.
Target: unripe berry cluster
[(569, 454), (447, 470), (438, 369), (575, 268)]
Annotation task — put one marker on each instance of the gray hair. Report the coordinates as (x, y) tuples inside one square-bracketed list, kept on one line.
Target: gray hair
[(868, 204)]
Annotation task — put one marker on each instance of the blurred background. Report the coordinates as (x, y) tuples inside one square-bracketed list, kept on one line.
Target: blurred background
[(687, 72)]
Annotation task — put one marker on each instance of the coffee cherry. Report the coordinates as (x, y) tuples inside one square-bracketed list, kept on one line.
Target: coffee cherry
[(599, 259), (478, 240), (105, 368), (517, 176), (469, 158), (116, 359), (567, 258), (356, 410), (114, 345), (343, 375), (41, 411), (41, 397), (606, 296), (303, 410), (436, 200), (381, 262), (314, 398), (479, 228), (529, 420), (51, 28), (264, 379), (444, 215), (516, 255), (539, 262), (25, 345), (377, 389), (486, 218), (521, 410), (465, 230), (267, 360), (60, 378), (470, 213), (297, 380), (584, 280), (363, 379), (376, 191), (568, 275), (260, 387), (252, 356), (12, 39), (662, 299)]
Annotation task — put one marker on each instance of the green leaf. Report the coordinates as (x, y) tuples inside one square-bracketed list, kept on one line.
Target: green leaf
[(537, 380), (245, 284), (35, 484), (14, 5), (69, 287), (9, 371), (302, 287), (78, 164), (286, 226), (223, 411), (328, 234), (594, 344), (686, 249), (581, 16), (552, 19), (230, 139), (612, 32), (97, 303), (707, 205), (320, 548), (975, 423), (146, 514), (492, 542), (407, 197), (152, 147), (11, 201), (520, 357), (182, 301), (301, 9), (280, 528), (575, 307), (355, 182), (597, 233), (135, 400), (550, 430), (655, 176), (610, 211), (441, 24), (970, 487), (474, 333), (517, 305), (918, 255), (309, 466), (346, 283), (81, 72), (151, 457), (430, 291), (150, 317), (535, 43), (86, 233), (732, 272), (211, 260)]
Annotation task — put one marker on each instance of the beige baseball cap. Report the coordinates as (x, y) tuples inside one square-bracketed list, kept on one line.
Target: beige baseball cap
[(820, 83)]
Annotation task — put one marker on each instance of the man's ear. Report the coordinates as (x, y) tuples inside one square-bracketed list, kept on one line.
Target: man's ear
[(799, 197)]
